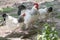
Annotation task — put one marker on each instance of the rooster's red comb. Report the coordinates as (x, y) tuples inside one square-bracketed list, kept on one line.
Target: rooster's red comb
[(35, 3)]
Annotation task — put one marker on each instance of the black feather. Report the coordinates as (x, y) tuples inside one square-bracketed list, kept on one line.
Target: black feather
[(20, 8), (4, 16), (50, 9)]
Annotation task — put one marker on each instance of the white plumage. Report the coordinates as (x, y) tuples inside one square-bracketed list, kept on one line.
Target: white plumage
[(44, 13), (10, 21), (30, 15)]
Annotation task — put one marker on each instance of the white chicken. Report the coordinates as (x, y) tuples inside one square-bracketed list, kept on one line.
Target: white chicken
[(10, 18), (30, 16), (44, 13), (10, 21)]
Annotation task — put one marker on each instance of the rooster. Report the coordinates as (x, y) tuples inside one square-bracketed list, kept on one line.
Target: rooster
[(44, 13), (30, 16)]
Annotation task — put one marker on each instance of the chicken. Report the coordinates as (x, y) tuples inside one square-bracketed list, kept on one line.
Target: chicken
[(8, 17), (10, 20), (30, 16), (44, 13)]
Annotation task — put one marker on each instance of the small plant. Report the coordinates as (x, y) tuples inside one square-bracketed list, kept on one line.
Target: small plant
[(8, 9), (48, 33)]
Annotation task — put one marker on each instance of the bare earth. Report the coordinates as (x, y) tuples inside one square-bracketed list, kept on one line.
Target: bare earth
[(4, 31)]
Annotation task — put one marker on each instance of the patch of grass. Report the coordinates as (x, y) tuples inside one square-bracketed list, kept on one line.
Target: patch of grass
[(14, 15), (48, 4), (1, 38), (59, 38), (8, 9), (1, 18), (58, 17)]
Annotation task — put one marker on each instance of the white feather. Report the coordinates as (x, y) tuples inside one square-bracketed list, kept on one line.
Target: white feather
[(30, 16), (11, 21), (10, 18), (43, 13)]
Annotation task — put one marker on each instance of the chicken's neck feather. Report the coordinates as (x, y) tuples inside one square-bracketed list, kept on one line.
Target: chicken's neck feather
[(34, 10)]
